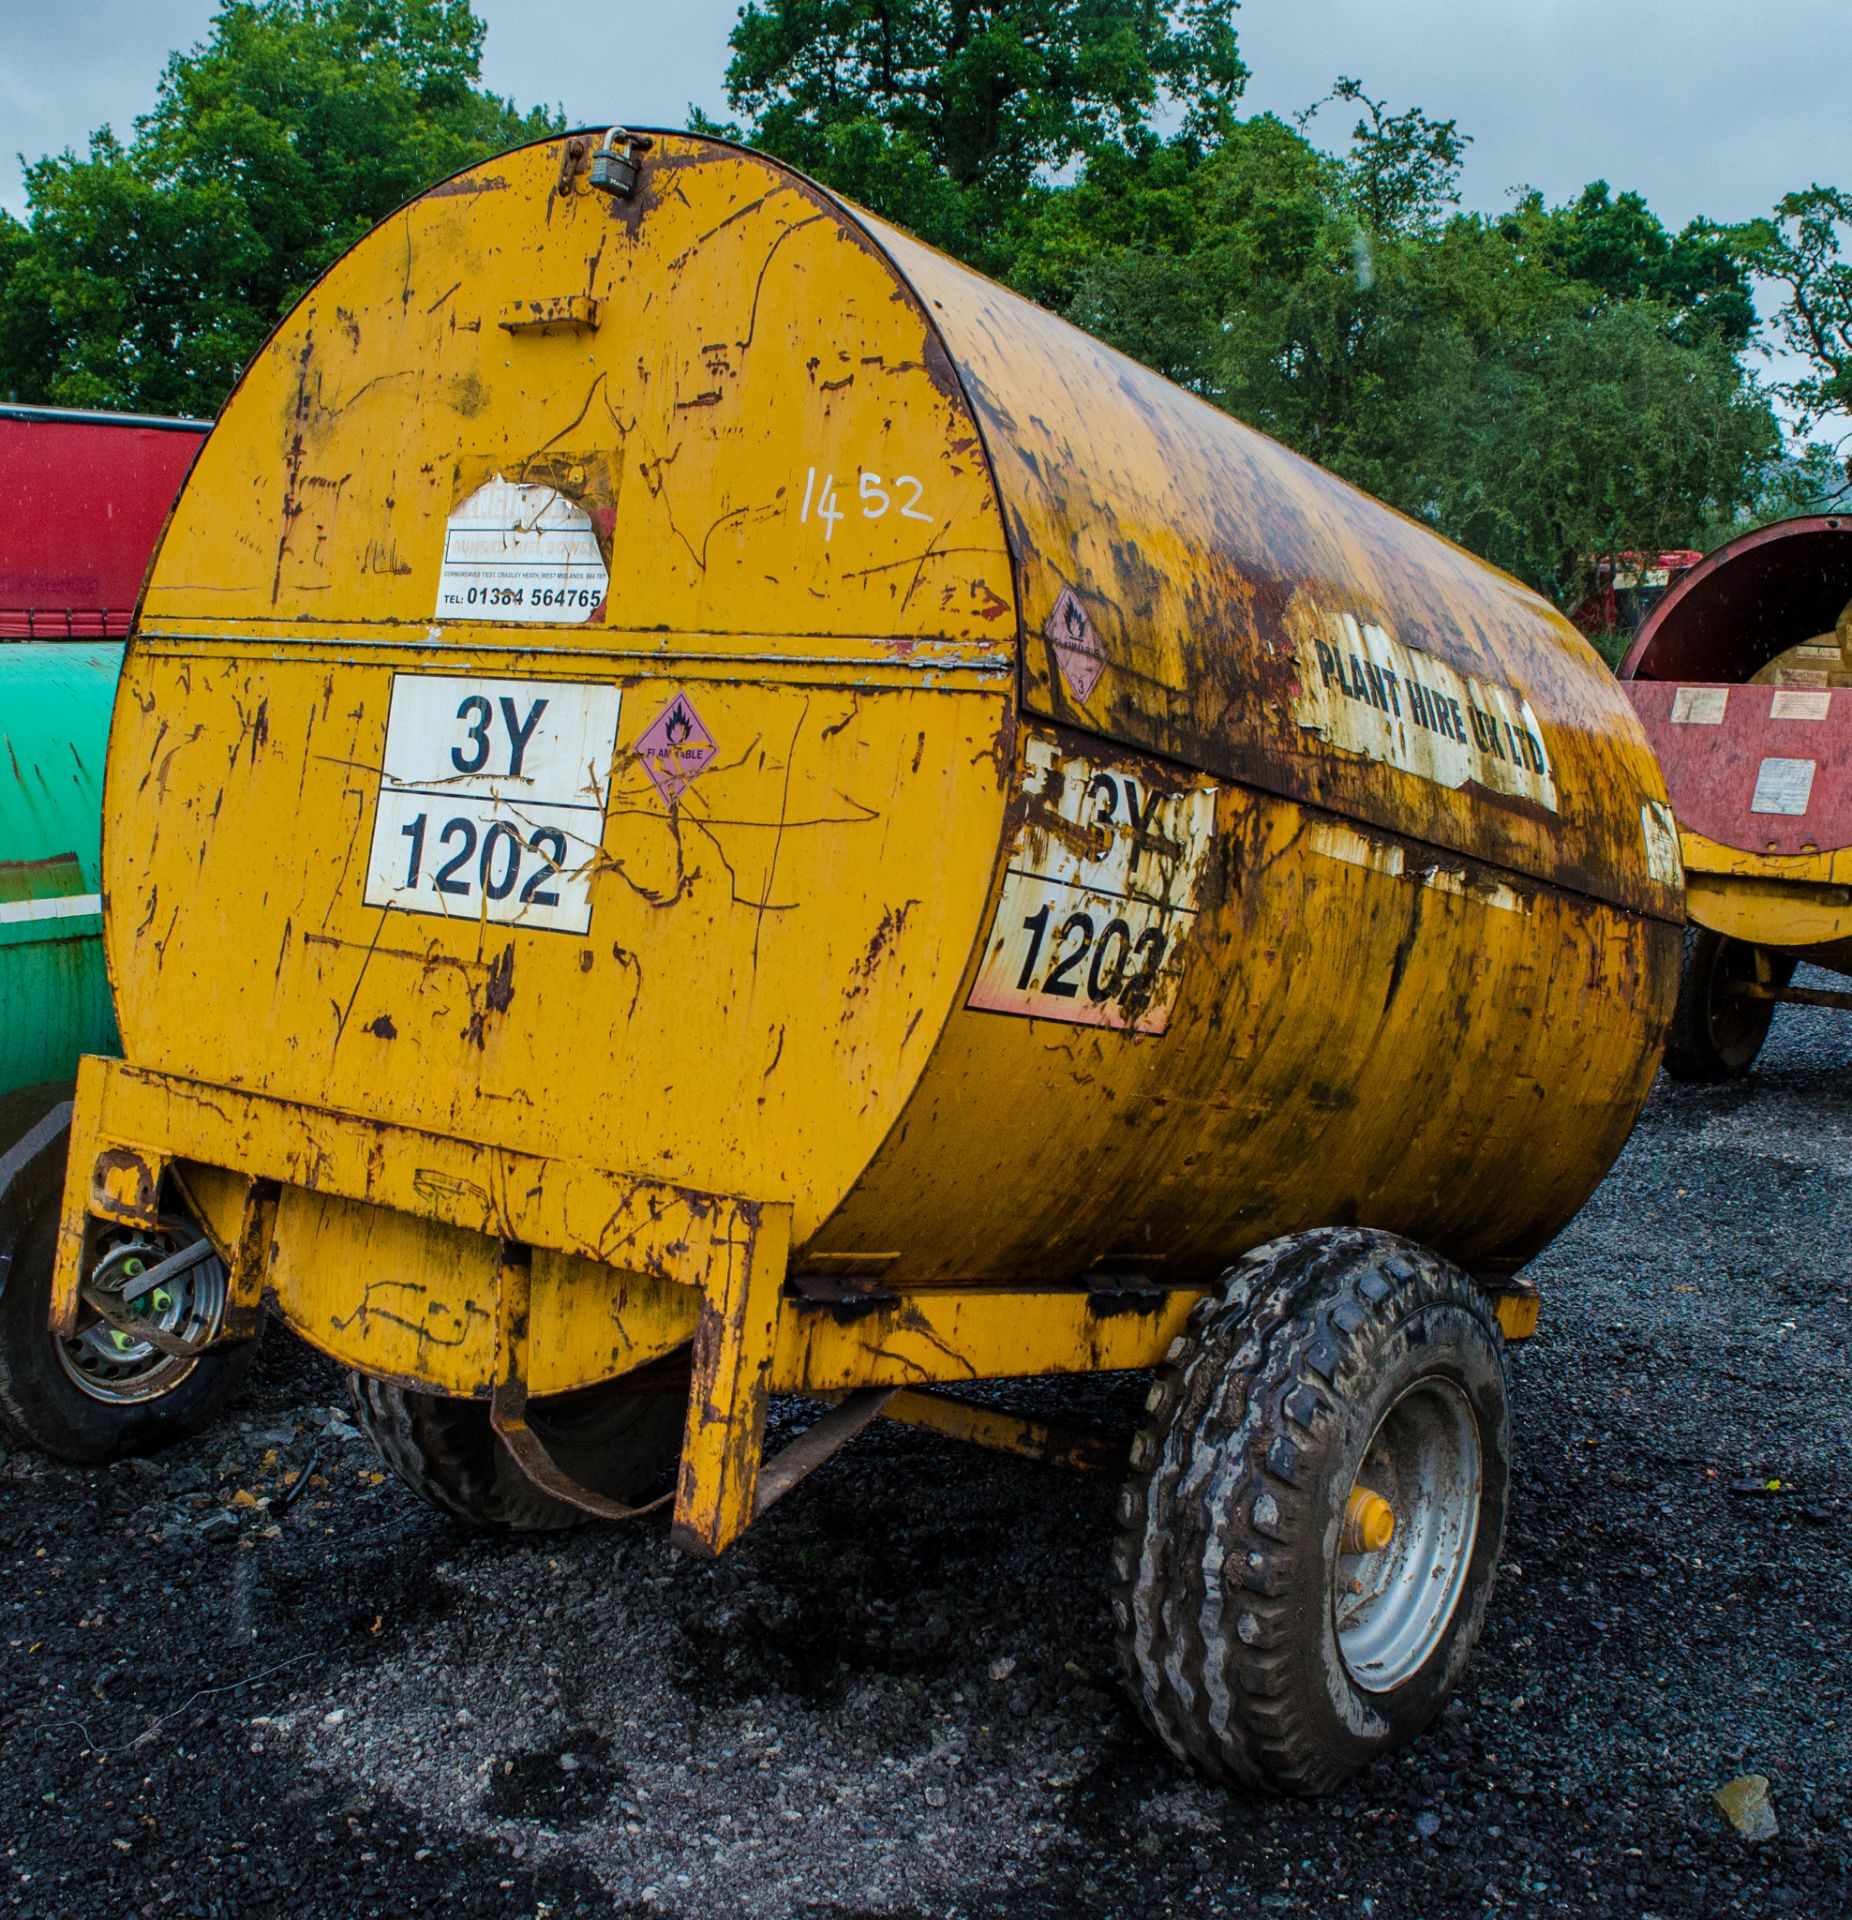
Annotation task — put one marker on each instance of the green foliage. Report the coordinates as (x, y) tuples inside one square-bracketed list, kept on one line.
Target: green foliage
[(1804, 252), (1452, 365), (1617, 249), (150, 273), (943, 115), (1547, 385)]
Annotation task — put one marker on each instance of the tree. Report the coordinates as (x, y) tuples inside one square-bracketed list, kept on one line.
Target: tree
[(1617, 249), (1403, 170), (945, 115), (1805, 251), (1508, 381), (148, 274)]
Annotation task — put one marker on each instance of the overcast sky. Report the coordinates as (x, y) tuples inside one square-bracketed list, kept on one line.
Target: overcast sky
[(1706, 106)]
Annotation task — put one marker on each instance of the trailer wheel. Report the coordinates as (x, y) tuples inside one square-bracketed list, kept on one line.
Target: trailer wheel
[(1716, 1034), (104, 1395), (1311, 1528), (618, 1440)]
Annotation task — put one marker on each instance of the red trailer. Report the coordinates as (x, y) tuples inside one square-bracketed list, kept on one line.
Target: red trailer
[(83, 498), (1742, 677)]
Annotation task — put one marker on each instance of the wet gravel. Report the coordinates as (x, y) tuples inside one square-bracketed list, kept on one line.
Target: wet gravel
[(896, 1697)]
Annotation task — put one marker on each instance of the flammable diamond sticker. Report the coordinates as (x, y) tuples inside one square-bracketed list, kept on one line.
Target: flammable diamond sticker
[(1077, 647), (675, 747)]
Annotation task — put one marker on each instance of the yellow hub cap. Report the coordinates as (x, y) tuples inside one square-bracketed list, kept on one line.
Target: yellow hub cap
[(1369, 1522)]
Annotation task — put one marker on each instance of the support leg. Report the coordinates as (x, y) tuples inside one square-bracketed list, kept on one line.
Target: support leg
[(732, 1363)]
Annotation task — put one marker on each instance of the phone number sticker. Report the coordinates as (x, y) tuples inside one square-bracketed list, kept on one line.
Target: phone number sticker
[(520, 553), (492, 799), (1099, 897)]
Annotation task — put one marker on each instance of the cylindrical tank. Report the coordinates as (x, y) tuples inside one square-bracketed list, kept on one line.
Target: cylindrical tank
[(54, 720), (1742, 676), (701, 684)]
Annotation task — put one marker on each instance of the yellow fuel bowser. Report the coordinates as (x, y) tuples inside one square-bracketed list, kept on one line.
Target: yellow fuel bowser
[(707, 804)]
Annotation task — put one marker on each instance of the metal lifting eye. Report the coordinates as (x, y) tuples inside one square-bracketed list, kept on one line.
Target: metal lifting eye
[(618, 163)]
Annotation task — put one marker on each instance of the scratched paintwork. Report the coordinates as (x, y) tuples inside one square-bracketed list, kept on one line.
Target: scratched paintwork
[(1210, 559), (1400, 985)]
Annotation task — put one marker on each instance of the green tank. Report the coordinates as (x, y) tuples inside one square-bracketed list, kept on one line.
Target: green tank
[(54, 996)]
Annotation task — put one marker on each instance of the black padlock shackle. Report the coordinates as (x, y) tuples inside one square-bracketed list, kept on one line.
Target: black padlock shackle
[(633, 142)]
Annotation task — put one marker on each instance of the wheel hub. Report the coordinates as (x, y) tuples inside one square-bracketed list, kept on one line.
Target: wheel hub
[(1407, 1541), (108, 1362)]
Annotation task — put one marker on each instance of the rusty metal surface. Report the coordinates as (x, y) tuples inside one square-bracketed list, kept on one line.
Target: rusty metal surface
[(824, 1437), (508, 1400), (717, 1488), (1756, 772), (1248, 614), (1724, 769), (1003, 1432), (678, 807), (1364, 1030)]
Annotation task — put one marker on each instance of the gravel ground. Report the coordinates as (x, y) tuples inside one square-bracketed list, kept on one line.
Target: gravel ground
[(896, 1697)]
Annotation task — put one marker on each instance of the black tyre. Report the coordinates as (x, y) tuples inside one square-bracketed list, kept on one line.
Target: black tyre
[(1263, 1640), (618, 1440), (102, 1395), (1716, 1033)]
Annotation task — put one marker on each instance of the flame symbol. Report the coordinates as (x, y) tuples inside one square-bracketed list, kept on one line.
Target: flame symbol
[(1076, 623), (679, 725)]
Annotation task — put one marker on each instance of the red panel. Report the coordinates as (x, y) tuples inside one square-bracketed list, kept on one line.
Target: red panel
[(1746, 602), (1712, 770), (83, 499)]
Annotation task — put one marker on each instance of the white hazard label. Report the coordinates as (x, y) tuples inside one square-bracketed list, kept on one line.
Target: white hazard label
[(492, 799), (1700, 706), (1093, 923), (519, 553), (1664, 861), (1783, 786)]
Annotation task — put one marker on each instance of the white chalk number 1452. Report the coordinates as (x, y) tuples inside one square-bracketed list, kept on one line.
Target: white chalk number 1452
[(873, 492)]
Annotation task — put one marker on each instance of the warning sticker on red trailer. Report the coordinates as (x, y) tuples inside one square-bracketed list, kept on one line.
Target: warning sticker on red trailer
[(1366, 692), (523, 554), (492, 799), (1099, 897), (1783, 786), (1700, 706)]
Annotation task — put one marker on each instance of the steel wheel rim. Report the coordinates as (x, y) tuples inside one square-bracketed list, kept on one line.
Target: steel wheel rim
[(1738, 1023), (1392, 1608), (110, 1367)]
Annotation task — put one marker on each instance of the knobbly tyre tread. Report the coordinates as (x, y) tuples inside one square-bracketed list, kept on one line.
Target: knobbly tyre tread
[(1214, 1483), (618, 1440), (446, 1451)]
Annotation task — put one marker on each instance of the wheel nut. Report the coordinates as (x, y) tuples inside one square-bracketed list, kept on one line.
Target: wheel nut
[(1369, 1522)]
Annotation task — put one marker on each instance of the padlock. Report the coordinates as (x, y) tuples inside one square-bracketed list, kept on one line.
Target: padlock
[(617, 164)]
